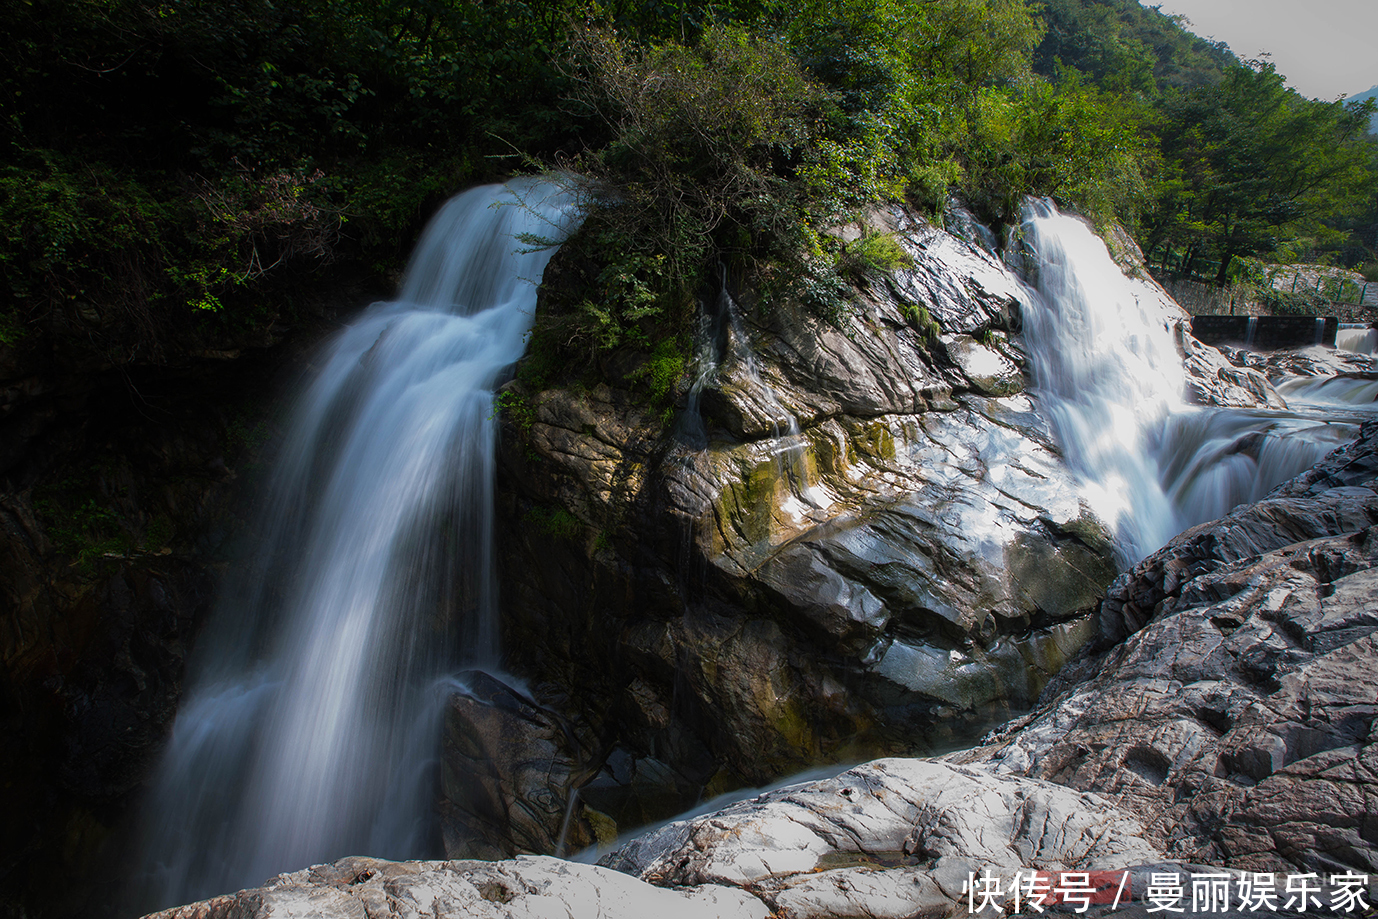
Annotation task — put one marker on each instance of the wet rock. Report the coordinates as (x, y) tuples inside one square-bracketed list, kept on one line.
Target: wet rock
[(519, 777), (851, 542), (893, 837), (962, 285), (824, 570), (508, 772), (1235, 720), (1231, 732), (984, 363), (522, 888), (1212, 379), (1335, 496), (1313, 361)]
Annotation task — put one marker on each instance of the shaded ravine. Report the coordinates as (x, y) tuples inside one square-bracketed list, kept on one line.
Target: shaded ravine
[(311, 712)]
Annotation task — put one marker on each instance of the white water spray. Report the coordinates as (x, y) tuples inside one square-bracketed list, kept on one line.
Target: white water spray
[(1111, 381), (312, 710), (1356, 337)]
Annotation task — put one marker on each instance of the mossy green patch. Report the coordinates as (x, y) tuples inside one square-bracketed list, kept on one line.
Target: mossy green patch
[(555, 521), (875, 440), (750, 503)]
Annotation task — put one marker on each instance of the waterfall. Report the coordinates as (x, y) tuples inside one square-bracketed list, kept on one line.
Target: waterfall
[(723, 337), (1348, 390), (1356, 337), (1110, 379), (312, 707)]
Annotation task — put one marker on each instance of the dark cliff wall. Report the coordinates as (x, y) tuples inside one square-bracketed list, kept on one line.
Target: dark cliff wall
[(122, 493)]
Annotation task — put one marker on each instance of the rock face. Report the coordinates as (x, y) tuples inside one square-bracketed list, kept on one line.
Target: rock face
[(523, 888), (854, 541), (895, 837), (508, 773), (1236, 719), (1228, 729)]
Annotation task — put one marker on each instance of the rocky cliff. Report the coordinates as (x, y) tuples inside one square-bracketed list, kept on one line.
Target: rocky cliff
[(855, 540), (1229, 732), (121, 474)]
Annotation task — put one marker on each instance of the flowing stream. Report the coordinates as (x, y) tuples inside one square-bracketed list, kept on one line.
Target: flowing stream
[(313, 701), (1357, 337), (1111, 381)]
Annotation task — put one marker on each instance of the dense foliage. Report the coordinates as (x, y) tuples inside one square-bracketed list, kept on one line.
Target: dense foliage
[(1253, 164), (1128, 48), (1245, 166), (164, 160), (174, 164), (750, 148)]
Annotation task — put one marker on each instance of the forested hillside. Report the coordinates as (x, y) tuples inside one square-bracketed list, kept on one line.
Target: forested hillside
[(1363, 97), (1126, 46), (1246, 167), (177, 171)]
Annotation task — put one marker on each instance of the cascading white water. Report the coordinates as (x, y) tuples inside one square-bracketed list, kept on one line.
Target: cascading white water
[(1107, 372), (1359, 338), (1351, 390), (312, 708), (1112, 383)]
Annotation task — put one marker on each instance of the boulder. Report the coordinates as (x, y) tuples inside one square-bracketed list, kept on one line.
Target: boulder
[(509, 769), (1234, 715), (522, 888), (892, 837)]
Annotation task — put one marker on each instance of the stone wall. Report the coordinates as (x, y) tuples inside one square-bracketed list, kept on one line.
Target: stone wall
[(1208, 300)]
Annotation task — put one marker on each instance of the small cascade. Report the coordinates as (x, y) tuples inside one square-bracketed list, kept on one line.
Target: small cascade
[(790, 448), (1361, 338), (1251, 332), (1110, 380), (1356, 391), (1213, 460), (1320, 330), (722, 335), (308, 729)]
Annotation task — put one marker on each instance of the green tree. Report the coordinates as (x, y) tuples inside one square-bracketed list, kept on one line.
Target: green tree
[(1249, 163), (1080, 145), (1126, 47)]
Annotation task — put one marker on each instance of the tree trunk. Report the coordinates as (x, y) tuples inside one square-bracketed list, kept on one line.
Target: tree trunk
[(1220, 276)]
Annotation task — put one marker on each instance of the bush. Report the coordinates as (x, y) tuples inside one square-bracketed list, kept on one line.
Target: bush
[(1289, 303), (705, 148), (875, 253), (1067, 140), (715, 155)]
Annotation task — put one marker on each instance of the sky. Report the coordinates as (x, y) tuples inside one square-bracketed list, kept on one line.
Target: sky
[(1326, 48)]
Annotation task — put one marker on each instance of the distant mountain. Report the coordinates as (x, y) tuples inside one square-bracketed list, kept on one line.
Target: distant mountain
[(1125, 46), (1360, 97)]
